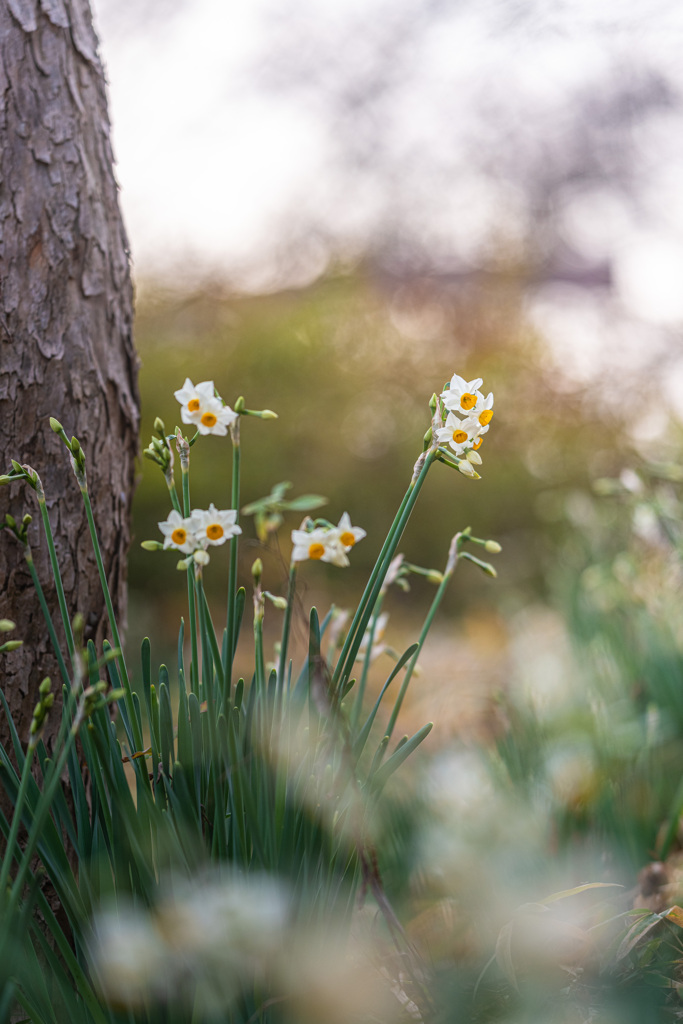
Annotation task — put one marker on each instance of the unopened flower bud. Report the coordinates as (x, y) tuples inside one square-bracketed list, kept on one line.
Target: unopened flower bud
[(279, 602), (268, 414), (11, 521), (75, 446), (435, 577), (6, 625), (152, 545), (201, 557), (159, 426), (474, 458), (493, 547), (45, 686), (433, 401), (257, 570), (56, 425), (27, 519), (466, 469), (11, 645), (239, 404), (5, 479)]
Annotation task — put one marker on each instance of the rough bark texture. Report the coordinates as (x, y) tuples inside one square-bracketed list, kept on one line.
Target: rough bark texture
[(66, 345)]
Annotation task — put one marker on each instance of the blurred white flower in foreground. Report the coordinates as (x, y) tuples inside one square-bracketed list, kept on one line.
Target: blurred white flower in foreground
[(321, 544)]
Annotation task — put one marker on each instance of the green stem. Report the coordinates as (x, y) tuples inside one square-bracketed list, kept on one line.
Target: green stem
[(448, 572), (234, 548), (354, 637), (362, 683), (191, 593), (136, 738), (286, 626), (57, 575), (48, 619)]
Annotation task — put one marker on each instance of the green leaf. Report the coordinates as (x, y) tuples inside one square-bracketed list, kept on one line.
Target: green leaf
[(400, 755)]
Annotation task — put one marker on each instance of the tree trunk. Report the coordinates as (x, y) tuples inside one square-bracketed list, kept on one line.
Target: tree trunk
[(66, 346)]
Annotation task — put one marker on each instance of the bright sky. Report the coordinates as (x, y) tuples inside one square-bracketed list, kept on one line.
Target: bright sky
[(215, 171)]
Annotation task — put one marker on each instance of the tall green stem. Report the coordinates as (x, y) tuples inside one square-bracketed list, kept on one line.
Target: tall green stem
[(453, 555), (135, 735), (56, 573), (191, 585), (354, 637), (234, 549), (286, 626)]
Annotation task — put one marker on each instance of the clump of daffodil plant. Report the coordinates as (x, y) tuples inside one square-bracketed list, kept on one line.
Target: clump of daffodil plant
[(264, 792)]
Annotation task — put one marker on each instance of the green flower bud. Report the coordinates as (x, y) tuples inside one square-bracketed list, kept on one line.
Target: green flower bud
[(11, 521), (152, 545), (27, 519), (268, 414), (6, 625), (56, 426), (279, 602), (257, 570), (160, 427), (5, 479), (493, 547), (45, 686), (239, 404), (75, 446)]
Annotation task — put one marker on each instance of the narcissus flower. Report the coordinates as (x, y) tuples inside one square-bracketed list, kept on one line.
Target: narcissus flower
[(178, 533), (483, 411), (459, 434), (463, 395), (200, 407), (321, 544), (348, 534), (213, 526)]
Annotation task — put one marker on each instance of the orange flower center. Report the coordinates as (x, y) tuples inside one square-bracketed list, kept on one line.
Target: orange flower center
[(477, 443), (179, 536), (459, 436), (209, 419), (316, 550), (214, 531), (347, 539), (468, 401), (486, 416), (193, 405)]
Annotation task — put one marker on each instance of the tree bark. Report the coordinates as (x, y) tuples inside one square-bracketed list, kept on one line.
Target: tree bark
[(66, 309)]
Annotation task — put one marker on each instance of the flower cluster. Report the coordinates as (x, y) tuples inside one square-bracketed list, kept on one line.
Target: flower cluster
[(326, 543), (202, 529), (203, 409), (469, 415)]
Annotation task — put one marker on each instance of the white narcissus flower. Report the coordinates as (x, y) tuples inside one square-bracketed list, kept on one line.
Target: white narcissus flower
[(321, 544), (201, 408), (348, 534), (178, 533), (213, 526), (216, 418), (458, 434), (463, 395), (483, 412), (194, 399)]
